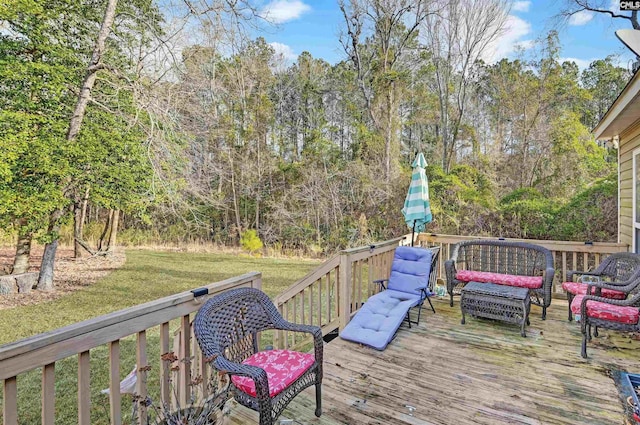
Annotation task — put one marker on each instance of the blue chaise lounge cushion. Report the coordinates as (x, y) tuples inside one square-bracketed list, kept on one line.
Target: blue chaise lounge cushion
[(410, 269), (377, 321)]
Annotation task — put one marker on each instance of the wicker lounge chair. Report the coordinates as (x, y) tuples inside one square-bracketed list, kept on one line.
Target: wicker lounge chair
[(378, 320), (618, 270), (226, 328), (502, 262)]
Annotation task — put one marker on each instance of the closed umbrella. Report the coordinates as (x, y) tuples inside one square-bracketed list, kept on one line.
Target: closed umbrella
[(417, 211)]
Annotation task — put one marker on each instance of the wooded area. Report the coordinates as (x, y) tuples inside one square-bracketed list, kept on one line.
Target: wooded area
[(176, 122)]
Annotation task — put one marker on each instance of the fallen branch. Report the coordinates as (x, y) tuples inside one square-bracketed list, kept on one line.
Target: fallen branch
[(90, 250)]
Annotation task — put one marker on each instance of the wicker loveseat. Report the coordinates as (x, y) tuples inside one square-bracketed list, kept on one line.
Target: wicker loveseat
[(503, 262)]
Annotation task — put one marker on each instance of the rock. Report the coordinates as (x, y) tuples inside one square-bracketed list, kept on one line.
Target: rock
[(26, 281), (7, 284)]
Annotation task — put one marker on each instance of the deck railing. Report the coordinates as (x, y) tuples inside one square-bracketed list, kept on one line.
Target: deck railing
[(45, 350), (567, 255), (321, 298), (329, 295)]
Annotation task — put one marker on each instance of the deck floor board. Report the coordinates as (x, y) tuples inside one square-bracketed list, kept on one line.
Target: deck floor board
[(482, 372)]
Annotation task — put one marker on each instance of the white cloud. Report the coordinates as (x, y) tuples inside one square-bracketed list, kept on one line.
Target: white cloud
[(521, 6), (525, 44), (580, 18), (284, 51), (614, 5), (582, 63), (280, 11), (514, 29)]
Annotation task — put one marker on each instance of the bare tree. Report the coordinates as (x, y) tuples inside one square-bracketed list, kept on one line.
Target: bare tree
[(378, 34), (600, 6), (605, 7), (457, 38)]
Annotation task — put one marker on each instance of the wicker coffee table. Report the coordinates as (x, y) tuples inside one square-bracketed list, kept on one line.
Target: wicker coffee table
[(500, 302)]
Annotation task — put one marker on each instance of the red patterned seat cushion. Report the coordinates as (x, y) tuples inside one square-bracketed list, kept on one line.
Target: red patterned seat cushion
[(577, 288), (600, 310), (282, 366), (531, 282)]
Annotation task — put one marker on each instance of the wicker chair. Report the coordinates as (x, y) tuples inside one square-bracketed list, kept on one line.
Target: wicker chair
[(618, 315), (226, 328), (432, 274), (619, 271), (502, 259)]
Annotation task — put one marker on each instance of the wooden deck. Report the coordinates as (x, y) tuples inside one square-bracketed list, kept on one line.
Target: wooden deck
[(442, 372)]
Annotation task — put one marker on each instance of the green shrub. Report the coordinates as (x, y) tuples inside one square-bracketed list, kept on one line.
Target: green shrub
[(250, 241), (298, 236), (93, 230), (7, 237), (524, 194), (590, 215), (528, 218), (460, 200), (135, 237)]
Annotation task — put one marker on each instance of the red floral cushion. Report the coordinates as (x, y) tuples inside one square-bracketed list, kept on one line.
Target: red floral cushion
[(282, 366), (577, 288), (531, 282), (600, 310)]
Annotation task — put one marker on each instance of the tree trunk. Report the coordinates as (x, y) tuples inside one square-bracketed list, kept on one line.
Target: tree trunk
[(78, 250), (92, 70), (236, 207), (23, 250), (83, 215), (257, 213), (389, 134), (105, 231), (79, 217), (111, 245), (45, 280)]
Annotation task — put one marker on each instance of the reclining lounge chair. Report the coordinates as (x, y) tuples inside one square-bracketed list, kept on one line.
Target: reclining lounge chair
[(377, 322)]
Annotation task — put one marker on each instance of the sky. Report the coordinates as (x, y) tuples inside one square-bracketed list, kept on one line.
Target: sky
[(314, 26)]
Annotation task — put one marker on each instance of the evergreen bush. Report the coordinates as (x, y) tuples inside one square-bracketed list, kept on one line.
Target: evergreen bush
[(250, 241), (591, 215)]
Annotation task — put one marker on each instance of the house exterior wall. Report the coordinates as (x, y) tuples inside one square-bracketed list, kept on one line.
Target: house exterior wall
[(629, 142)]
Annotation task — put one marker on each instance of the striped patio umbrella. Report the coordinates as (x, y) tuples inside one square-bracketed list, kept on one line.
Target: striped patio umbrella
[(417, 211)]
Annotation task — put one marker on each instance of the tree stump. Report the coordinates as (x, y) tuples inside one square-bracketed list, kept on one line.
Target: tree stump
[(7, 284), (26, 281)]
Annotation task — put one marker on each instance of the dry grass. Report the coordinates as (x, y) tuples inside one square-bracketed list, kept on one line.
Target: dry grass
[(90, 287), (70, 274)]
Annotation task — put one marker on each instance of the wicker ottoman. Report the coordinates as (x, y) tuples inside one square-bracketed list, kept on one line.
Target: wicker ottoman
[(499, 302)]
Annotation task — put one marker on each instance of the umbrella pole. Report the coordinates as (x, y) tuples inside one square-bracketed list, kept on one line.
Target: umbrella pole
[(413, 231)]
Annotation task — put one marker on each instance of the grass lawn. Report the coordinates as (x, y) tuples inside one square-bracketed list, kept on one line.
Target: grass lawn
[(146, 276)]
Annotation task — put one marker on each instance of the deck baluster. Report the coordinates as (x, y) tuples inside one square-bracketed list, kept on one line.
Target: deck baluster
[(184, 360), (114, 383), (165, 365), (10, 407), (141, 381), (84, 388), (49, 394)]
